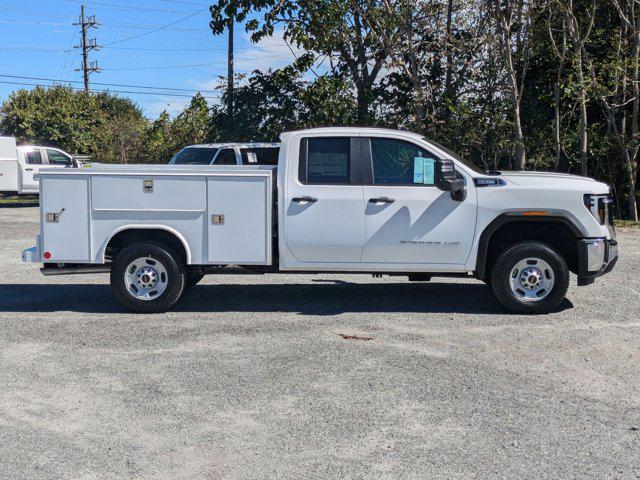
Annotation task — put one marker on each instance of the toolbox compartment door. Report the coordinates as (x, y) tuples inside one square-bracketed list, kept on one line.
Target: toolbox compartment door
[(64, 209), (159, 193), (239, 220)]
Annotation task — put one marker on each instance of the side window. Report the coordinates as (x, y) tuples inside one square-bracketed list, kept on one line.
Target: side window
[(34, 157), (325, 160), (261, 156), (57, 158), (396, 162), (226, 157)]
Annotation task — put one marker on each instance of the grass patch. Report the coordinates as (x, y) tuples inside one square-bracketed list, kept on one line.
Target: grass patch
[(626, 224), (15, 200)]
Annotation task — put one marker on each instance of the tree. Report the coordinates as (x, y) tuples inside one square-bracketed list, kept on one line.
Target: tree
[(104, 126), (266, 104), (329, 29), (512, 20)]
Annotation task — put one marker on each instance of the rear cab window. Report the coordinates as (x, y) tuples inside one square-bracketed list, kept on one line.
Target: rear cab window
[(329, 161), (260, 156), (34, 157), (194, 156)]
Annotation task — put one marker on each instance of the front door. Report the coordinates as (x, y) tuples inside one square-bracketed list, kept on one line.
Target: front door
[(408, 220), (58, 159), (30, 165), (324, 205)]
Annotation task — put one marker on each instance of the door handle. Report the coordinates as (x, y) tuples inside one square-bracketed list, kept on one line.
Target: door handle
[(29, 169), (304, 199), (382, 200)]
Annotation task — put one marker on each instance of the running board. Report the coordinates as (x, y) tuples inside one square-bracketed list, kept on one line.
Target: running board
[(67, 269)]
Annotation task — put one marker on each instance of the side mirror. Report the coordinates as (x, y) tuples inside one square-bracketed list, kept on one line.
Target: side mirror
[(447, 180)]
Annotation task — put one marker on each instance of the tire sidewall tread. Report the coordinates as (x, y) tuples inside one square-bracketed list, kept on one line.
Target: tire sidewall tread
[(501, 272), (176, 272)]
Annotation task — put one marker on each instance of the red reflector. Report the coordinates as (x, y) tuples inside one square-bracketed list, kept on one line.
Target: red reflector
[(47, 255)]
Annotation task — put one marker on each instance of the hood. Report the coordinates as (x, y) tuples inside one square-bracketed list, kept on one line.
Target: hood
[(555, 180)]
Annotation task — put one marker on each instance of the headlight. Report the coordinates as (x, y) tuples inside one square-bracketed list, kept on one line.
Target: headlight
[(598, 205)]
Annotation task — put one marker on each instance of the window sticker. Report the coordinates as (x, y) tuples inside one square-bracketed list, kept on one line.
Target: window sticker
[(424, 170), (429, 176), (418, 170)]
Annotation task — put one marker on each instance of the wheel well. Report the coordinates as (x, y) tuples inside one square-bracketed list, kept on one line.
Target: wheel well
[(127, 237), (556, 234)]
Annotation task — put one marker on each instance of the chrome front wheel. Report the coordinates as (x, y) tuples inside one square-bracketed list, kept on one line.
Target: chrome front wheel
[(532, 279)]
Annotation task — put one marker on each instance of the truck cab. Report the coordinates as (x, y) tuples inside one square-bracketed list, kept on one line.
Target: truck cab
[(348, 199), (20, 165)]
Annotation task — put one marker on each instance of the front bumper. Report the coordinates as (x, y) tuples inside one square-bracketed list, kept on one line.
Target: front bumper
[(596, 256)]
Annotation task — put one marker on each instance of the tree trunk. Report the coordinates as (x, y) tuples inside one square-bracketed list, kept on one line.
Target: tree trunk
[(520, 150), (584, 121), (556, 122), (635, 133), (362, 100), (449, 59)]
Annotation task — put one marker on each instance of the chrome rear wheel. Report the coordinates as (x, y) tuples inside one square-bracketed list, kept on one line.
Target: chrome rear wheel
[(146, 278)]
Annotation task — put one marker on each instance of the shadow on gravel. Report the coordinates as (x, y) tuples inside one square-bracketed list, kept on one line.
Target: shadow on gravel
[(306, 299)]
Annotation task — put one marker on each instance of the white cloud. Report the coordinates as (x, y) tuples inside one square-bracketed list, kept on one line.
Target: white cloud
[(172, 105), (272, 52)]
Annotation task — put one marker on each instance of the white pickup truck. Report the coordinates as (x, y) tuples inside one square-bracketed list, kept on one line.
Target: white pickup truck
[(357, 200), (19, 166), (227, 154)]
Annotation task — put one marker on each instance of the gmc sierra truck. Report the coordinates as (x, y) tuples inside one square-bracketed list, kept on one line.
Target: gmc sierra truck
[(357, 200)]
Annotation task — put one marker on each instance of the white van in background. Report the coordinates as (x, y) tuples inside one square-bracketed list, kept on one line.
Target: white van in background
[(19, 165)]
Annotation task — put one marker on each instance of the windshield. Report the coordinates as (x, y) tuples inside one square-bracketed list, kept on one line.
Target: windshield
[(194, 156), (456, 156)]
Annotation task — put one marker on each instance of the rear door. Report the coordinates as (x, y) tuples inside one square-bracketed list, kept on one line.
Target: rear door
[(324, 204), (33, 159), (408, 220)]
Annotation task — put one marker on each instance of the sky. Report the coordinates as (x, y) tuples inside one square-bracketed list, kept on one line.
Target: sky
[(161, 47)]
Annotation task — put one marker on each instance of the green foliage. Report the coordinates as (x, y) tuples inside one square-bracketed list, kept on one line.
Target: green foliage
[(266, 104), (111, 129)]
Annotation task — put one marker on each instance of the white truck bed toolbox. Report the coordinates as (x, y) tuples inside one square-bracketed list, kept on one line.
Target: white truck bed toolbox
[(221, 215)]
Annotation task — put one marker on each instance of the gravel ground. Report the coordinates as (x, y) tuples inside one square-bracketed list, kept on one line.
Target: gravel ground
[(250, 377)]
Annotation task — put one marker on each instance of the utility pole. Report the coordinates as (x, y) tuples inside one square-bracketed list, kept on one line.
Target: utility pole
[(87, 45), (230, 79)]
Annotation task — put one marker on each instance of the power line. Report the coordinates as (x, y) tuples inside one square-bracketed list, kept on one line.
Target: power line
[(31, 12), (126, 7), (159, 28), (64, 68), (157, 94), (210, 64), (22, 77)]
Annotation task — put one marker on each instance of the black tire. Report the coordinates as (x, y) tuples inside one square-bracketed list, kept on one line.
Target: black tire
[(506, 262), (175, 277), (192, 280)]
